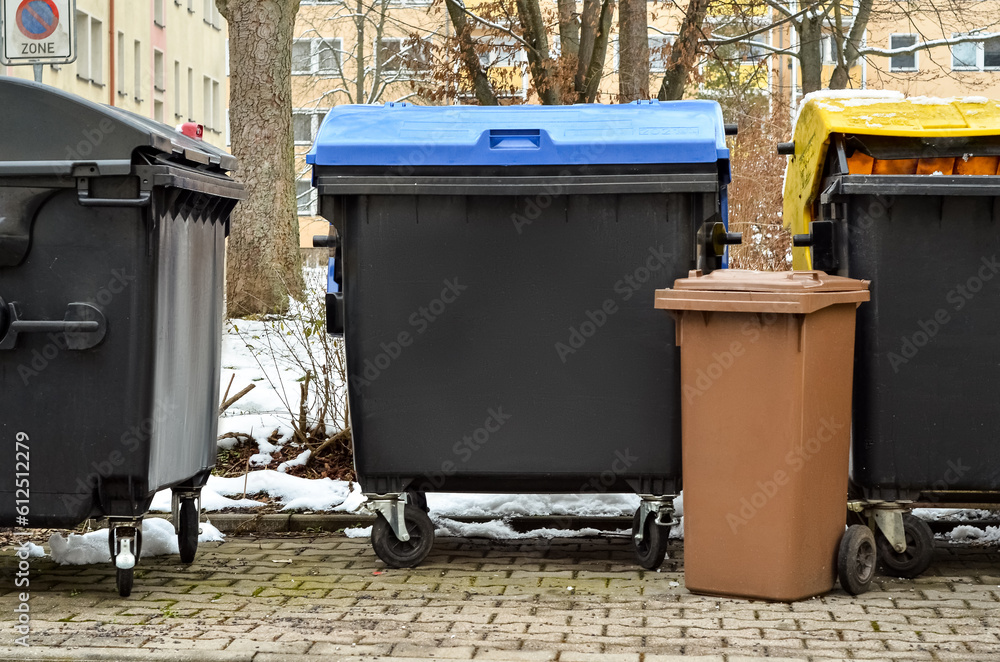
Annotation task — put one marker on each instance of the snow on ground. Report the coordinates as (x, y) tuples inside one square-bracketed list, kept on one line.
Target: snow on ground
[(953, 514), (293, 492), (972, 534), (500, 530), (512, 505), (158, 539)]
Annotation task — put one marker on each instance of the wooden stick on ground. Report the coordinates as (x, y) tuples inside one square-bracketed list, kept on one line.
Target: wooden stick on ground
[(233, 400)]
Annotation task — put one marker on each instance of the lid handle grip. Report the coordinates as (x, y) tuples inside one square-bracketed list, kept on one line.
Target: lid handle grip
[(515, 138)]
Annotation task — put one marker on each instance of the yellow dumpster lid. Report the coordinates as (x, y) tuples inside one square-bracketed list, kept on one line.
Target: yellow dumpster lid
[(872, 113), (740, 290)]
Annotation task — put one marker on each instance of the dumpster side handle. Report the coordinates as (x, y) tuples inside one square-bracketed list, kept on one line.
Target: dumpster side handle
[(84, 326)]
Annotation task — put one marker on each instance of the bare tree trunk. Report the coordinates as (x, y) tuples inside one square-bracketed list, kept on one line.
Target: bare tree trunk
[(359, 23), (539, 61), (633, 51), (263, 264), (592, 81), (569, 30), (841, 73), (810, 52), (589, 22), (684, 52), (470, 58)]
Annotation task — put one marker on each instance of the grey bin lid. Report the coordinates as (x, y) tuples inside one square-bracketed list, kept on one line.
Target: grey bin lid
[(50, 132)]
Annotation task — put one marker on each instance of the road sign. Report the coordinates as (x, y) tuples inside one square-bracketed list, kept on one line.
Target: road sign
[(38, 31)]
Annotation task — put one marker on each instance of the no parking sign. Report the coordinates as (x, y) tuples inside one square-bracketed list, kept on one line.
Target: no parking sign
[(38, 31)]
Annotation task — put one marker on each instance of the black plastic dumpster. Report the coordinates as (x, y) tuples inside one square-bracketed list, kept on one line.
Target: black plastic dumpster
[(911, 206), (112, 237), (493, 272)]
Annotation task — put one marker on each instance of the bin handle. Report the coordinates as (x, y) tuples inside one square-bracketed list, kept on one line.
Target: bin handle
[(87, 201), (84, 326)]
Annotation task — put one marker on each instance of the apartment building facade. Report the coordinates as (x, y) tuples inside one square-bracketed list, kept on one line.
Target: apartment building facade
[(165, 59)]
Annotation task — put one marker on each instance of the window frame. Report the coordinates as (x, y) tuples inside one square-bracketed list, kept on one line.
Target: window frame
[(916, 53)]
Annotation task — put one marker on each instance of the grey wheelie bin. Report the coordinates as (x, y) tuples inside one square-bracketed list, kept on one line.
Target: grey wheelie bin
[(904, 193), (492, 272), (112, 237)]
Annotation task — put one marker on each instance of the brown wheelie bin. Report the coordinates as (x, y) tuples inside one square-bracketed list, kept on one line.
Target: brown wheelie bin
[(766, 370)]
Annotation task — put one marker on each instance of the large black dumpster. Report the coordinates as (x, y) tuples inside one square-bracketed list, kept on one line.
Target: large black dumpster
[(904, 194), (112, 237), (493, 276)]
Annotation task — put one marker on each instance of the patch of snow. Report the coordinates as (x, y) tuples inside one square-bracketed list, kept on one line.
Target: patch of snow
[(358, 532), (953, 514), (294, 492), (158, 539), (937, 172), (500, 530), (976, 100), (259, 460), (299, 461), (510, 505), (211, 501), (931, 101), (966, 533)]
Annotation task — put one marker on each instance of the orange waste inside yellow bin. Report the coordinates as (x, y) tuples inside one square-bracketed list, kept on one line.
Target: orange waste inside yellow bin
[(766, 375)]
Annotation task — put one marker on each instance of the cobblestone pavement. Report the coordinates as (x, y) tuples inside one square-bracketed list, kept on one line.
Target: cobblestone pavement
[(572, 600)]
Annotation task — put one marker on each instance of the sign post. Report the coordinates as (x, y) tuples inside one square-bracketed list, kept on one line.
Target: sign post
[(37, 32)]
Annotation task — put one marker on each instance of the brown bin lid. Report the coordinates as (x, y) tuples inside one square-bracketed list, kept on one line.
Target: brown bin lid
[(739, 290)]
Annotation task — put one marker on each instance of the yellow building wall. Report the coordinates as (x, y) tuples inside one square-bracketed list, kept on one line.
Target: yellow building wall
[(185, 38)]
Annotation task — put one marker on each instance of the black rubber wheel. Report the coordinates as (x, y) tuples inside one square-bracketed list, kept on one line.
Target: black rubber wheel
[(919, 550), (418, 499), (124, 581), (653, 548), (187, 532), (138, 542), (856, 559), (395, 552)]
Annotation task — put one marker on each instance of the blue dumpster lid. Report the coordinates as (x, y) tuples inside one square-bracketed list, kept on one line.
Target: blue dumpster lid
[(643, 132)]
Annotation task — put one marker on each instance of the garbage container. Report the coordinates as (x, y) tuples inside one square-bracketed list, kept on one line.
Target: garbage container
[(492, 271), (766, 361), (112, 236), (903, 192)]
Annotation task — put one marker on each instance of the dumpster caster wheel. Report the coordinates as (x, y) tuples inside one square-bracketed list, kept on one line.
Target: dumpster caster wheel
[(124, 580), (651, 551), (919, 550), (856, 559), (404, 554), (187, 534), (418, 499)]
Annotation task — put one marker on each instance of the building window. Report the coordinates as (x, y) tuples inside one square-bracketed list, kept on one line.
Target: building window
[(305, 125), (83, 45), (398, 54), (316, 56), (659, 53), (89, 48), (903, 61), (158, 13), (212, 16), (120, 65), (137, 65), (206, 99), (750, 53), (177, 90), (158, 111), (216, 106), (190, 107), (305, 196), (158, 72)]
